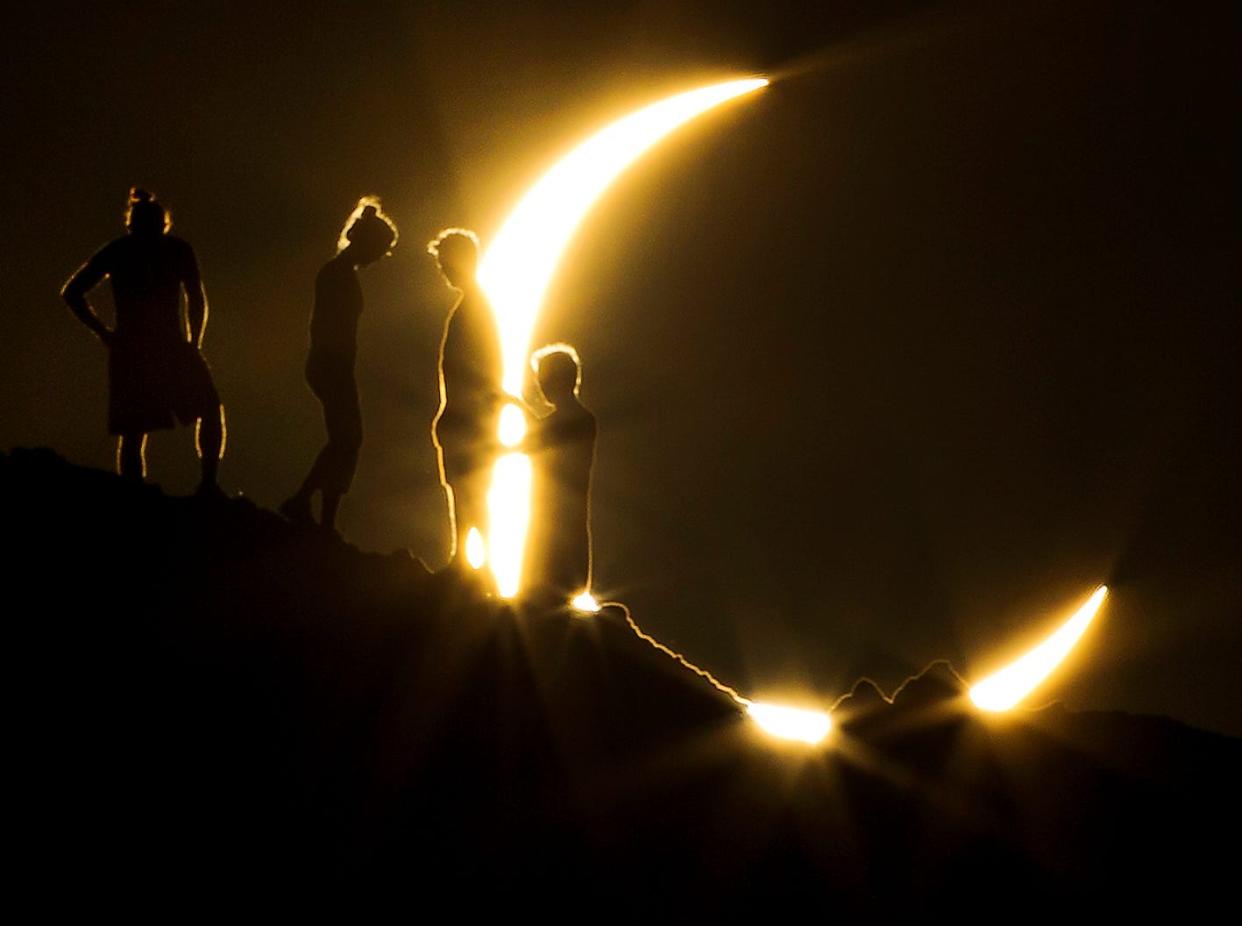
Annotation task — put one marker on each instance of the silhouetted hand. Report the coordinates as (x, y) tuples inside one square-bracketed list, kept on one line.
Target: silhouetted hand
[(506, 399)]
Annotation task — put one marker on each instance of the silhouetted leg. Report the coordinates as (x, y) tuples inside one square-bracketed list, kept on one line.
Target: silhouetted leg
[(478, 482), (459, 509), (131, 456), (209, 438), (331, 503), (332, 473), (463, 508), (297, 508), (455, 542), (470, 504)]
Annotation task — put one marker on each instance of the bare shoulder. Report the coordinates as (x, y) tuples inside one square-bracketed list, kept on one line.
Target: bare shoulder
[(178, 246), (108, 255), (99, 265), (181, 254), (333, 273)]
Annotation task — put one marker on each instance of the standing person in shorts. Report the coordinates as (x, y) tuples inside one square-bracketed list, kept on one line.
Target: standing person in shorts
[(157, 376), (368, 235)]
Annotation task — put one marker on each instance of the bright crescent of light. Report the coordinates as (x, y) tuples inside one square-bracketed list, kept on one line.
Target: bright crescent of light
[(515, 272), (1005, 689), (516, 269), (518, 266)]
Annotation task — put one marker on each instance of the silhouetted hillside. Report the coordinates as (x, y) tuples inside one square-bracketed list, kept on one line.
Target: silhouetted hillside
[(211, 703)]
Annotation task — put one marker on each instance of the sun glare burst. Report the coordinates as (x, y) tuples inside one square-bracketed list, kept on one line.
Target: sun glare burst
[(790, 723), (1003, 690), (585, 603), (518, 266)]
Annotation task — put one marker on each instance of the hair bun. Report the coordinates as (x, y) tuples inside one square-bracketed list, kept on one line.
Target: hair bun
[(369, 212), (138, 195)]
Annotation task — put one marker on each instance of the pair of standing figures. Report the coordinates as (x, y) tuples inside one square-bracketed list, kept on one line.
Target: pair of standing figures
[(157, 378)]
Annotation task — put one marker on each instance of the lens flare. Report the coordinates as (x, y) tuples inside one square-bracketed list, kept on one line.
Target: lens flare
[(518, 266), (476, 556), (1006, 688), (790, 723), (585, 603)]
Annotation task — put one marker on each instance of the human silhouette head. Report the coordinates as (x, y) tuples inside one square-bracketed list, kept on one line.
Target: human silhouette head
[(456, 250), (558, 371), (368, 233), (145, 214)]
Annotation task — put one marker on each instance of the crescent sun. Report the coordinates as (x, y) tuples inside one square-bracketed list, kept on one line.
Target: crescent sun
[(515, 272)]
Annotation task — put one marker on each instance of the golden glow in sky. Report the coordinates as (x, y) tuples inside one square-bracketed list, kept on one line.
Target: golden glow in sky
[(1005, 689), (790, 723), (518, 266)]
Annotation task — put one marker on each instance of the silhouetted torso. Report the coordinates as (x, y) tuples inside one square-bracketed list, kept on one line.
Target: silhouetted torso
[(146, 273), (334, 318), (562, 446), (470, 379)]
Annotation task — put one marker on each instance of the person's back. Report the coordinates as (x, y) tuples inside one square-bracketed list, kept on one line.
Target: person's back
[(334, 316), (157, 376), (146, 273), (470, 363), (562, 445)]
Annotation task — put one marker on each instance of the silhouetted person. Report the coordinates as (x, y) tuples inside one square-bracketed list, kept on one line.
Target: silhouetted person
[(470, 370), (157, 376), (562, 449), (367, 236)]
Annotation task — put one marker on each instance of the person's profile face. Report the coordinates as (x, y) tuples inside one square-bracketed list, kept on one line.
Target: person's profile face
[(367, 249), (372, 254), (557, 385)]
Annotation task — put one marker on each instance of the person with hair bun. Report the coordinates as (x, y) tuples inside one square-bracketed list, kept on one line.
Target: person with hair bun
[(157, 376), (367, 236)]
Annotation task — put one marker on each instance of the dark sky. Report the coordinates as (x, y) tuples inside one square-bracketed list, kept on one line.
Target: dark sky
[(894, 361)]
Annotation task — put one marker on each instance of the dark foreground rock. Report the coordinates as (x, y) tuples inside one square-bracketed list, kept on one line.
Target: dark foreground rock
[(209, 706)]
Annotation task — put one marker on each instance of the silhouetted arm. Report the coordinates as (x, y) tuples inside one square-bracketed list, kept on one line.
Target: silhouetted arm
[(195, 297), (88, 276), (536, 434)]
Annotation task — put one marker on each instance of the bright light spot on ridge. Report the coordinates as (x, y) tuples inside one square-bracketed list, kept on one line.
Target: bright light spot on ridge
[(475, 554), (1004, 689), (790, 723), (585, 603), (518, 266)]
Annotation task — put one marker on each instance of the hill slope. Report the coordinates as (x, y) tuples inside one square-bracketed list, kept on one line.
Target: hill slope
[(210, 702)]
